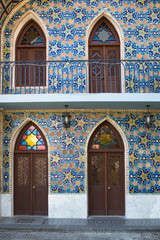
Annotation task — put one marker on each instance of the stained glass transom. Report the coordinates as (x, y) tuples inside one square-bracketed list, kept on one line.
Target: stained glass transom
[(32, 140), (103, 34), (32, 37), (104, 139)]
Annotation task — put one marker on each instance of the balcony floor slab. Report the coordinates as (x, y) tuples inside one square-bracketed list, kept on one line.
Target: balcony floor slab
[(80, 101)]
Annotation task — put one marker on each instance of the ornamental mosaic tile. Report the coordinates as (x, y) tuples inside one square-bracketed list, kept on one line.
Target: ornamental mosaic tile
[(68, 158), (66, 22), (5, 8)]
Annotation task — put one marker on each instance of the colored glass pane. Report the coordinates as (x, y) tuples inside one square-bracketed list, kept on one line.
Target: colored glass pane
[(103, 34), (32, 140), (114, 173), (104, 139), (32, 37)]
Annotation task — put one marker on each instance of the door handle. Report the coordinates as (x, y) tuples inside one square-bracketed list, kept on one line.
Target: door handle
[(34, 187), (109, 188)]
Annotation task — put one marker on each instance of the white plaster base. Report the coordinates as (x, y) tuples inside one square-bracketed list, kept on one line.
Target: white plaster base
[(68, 206), (76, 206), (6, 205), (143, 206)]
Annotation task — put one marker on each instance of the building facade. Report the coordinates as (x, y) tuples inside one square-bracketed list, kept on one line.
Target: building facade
[(102, 59)]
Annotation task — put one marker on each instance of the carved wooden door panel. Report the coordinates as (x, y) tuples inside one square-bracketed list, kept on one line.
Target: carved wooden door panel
[(40, 184), (31, 184), (96, 70), (112, 69), (22, 184)]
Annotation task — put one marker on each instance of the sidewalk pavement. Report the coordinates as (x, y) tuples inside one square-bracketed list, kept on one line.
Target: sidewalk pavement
[(91, 224)]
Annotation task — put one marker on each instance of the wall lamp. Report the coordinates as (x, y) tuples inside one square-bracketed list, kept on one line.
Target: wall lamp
[(148, 118), (66, 118)]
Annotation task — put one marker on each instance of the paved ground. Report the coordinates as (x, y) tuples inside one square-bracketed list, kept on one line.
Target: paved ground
[(79, 236), (95, 228)]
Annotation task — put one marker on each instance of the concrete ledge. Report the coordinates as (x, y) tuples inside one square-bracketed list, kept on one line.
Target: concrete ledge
[(80, 101)]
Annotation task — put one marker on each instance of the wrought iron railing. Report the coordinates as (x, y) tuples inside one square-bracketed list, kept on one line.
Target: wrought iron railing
[(78, 76)]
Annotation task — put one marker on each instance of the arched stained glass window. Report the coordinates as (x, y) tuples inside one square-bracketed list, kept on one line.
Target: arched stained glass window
[(31, 139), (32, 37), (103, 34), (104, 138)]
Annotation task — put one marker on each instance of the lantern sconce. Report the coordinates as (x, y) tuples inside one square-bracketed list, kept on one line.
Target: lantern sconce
[(148, 118), (66, 118)]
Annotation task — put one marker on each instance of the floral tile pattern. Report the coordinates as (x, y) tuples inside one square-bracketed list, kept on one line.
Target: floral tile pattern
[(68, 158), (67, 41), (139, 19)]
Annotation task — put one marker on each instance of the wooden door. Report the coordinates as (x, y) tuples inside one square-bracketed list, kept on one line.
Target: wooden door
[(115, 183), (40, 184), (96, 71), (31, 173), (22, 184), (104, 53), (31, 185), (30, 73), (112, 69), (104, 70), (106, 172), (106, 184), (31, 52), (97, 184)]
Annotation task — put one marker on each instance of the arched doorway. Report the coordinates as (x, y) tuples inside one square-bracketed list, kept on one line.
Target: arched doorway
[(31, 172), (30, 48), (106, 186), (104, 51)]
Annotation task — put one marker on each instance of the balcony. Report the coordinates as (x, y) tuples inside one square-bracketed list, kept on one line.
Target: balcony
[(81, 84), (106, 76)]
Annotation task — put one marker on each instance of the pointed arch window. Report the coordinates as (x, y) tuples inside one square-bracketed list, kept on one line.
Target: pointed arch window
[(104, 138), (103, 34), (30, 56), (104, 53), (31, 138), (32, 37)]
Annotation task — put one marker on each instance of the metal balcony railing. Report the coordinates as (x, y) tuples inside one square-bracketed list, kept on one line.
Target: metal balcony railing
[(104, 76)]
